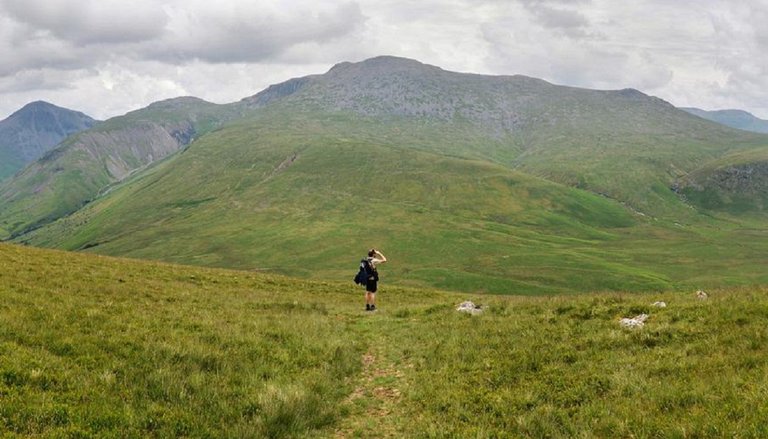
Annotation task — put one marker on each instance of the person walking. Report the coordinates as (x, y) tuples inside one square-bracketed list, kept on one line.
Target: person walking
[(371, 285)]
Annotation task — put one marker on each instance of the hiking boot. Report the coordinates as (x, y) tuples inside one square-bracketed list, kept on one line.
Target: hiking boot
[(373, 307), (367, 307)]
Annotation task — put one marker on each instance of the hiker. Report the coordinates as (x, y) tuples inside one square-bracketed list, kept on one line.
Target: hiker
[(374, 258)]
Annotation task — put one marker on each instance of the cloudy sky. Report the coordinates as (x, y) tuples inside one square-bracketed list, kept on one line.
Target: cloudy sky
[(107, 57)]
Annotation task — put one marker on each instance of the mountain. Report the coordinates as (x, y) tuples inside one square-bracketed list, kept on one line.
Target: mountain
[(579, 137), (733, 118), (88, 162), (503, 184), (33, 130)]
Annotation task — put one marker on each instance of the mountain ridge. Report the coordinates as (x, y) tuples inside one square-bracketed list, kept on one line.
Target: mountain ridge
[(740, 119)]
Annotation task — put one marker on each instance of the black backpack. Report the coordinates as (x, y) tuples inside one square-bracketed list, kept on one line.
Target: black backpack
[(367, 272)]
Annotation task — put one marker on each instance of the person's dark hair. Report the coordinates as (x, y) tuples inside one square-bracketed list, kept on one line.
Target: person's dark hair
[(371, 252)]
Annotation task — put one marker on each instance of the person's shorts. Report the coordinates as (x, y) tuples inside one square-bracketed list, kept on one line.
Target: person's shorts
[(371, 286)]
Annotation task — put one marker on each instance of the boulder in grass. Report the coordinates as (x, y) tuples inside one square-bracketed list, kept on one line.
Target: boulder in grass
[(469, 307), (659, 304), (701, 295), (634, 322)]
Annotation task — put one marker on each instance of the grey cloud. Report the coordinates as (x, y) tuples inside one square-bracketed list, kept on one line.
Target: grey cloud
[(568, 21), (35, 80), (556, 2), (23, 48), (93, 54), (560, 18), (251, 35), (86, 22), (742, 55), (519, 45), (84, 33), (758, 16)]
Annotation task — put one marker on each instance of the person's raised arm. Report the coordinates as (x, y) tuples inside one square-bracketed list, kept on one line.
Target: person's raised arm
[(381, 257)]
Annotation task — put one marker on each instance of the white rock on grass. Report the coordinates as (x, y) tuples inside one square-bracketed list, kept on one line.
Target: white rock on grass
[(469, 307), (659, 304), (701, 295), (635, 322)]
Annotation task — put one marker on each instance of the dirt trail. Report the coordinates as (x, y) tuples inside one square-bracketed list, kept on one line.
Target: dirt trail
[(374, 399)]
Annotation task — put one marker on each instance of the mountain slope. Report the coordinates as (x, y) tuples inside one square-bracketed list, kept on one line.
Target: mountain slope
[(579, 137), (88, 162), (426, 164), (736, 183), (733, 118), (582, 138), (303, 195), (33, 130)]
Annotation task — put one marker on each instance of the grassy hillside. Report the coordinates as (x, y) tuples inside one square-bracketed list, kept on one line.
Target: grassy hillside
[(736, 183), (94, 346), (305, 195), (85, 164), (472, 183), (621, 143)]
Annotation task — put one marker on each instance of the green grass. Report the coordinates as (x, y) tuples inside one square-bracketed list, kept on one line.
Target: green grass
[(92, 346), (99, 347)]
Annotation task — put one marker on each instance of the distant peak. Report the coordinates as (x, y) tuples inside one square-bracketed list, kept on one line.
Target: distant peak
[(734, 118), (383, 62), (178, 102), (39, 106), (340, 66), (389, 59), (735, 112), (632, 93), (726, 112)]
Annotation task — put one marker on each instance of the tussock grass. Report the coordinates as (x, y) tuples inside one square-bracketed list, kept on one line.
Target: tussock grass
[(110, 347), (93, 346)]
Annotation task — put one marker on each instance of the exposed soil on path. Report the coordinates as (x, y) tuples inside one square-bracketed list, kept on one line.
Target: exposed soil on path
[(375, 397)]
